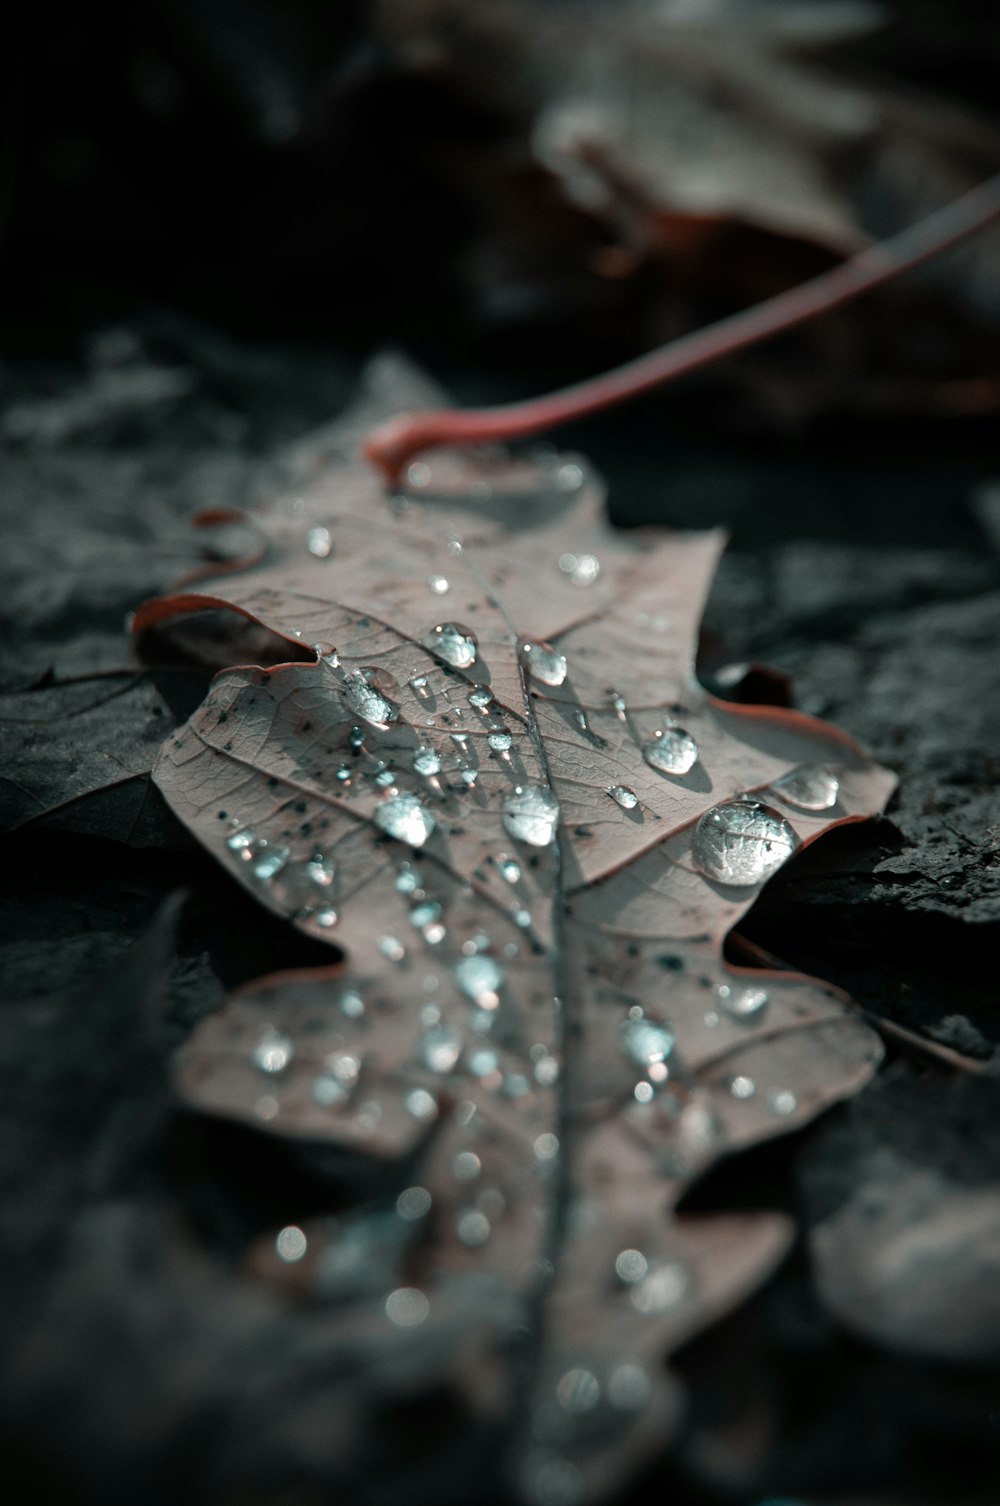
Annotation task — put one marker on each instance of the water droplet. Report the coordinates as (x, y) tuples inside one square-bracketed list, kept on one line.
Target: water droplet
[(742, 1003), (425, 913), (645, 1042), (569, 477), (546, 1147), (439, 585), (741, 842), (469, 777), (623, 796), (500, 742), (418, 475), (809, 788), (325, 918), (291, 1244), (319, 542), (328, 654), (578, 1391), (440, 1048), (385, 779), (631, 1266), (269, 863), (420, 687), (407, 1306), (406, 818), (466, 1166), (544, 663), (671, 751), (455, 644), (413, 1203), (480, 979), (320, 869), (582, 569), (421, 1104), (546, 1070), (407, 879), (482, 1062), (273, 1052), (243, 843), (531, 815), (366, 700), (510, 870), (782, 1102), (481, 697), (742, 1087), (392, 949), (473, 1228), (331, 1091), (664, 1286), (352, 1004), (454, 547), (643, 1092), (629, 1387)]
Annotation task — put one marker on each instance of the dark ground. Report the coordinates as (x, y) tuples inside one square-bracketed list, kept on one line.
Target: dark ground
[(864, 565)]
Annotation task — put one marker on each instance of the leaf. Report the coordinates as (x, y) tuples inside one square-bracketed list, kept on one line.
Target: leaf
[(539, 1042)]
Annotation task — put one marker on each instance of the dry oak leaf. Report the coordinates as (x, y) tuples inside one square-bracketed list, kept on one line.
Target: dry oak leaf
[(506, 795)]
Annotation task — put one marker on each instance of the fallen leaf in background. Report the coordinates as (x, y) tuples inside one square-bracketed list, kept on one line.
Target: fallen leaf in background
[(493, 778)]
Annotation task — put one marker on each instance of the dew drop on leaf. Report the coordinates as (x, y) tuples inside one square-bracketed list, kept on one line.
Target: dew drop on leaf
[(319, 542), (406, 818), (663, 1287), (741, 842), (413, 1203), (742, 1003), (623, 796), (440, 1048), (273, 1052), (671, 751), (439, 584), (645, 1042), (366, 699), (407, 1306), (426, 761), (531, 815), (455, 644), (480, 979), (809, 788), (500, 742), (544, 663)]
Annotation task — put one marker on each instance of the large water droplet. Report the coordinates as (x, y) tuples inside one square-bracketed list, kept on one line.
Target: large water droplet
[(480, 978), (672, 751), (544, 663), (741, 842), (455, 644), (440, 1048), (500, 742), (366, 699), (742, 1003), (531, 814), (809, 788), (480, 696), (406, 818), (645, 1041), (426, 761), (623, 796)]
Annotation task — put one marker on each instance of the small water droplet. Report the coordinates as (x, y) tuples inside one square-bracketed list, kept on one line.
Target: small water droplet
[(392, 949), (809, 788), (578, 1391), (406, 818), (352, 1004), (273, 1052), (481, 697), (385, 779), (291, 1244), (366, 700), (243, 843), (631, 1266), (319, 542), (425, 913), (782, 1102), (420, 687), (671, 751), (643, 1092), (623, 796), (440, 585), (645, 1042), (427, 762), (473, 1228), (546, 1070), (510, 869), (582, 569), (482, 1062), (544, 663), (569, 477), (440, 1048), (413, 1203), (665, 1286), (407, 1306), (500, 742), (320, 869), (742, 1087), (531, 815), (269, 861), (742, 1003), (325, 918), (455, 644), (741, 842), (546, 1147), (421, 1104), (466, 1166), (480, 979), (418, 475)]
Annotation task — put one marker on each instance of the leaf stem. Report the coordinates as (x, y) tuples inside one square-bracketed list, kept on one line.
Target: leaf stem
[(394, 443)]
